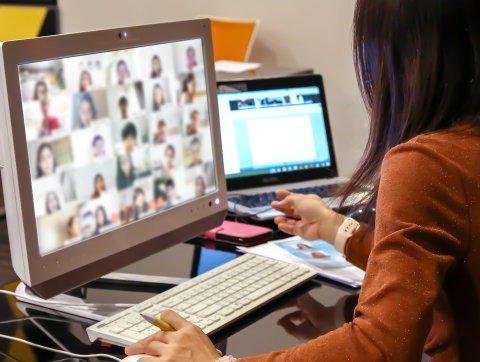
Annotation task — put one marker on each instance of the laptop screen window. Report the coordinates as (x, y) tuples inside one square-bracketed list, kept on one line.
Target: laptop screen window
[(273, 131)]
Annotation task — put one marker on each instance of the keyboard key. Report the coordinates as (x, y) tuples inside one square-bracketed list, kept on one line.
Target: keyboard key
[(208, 322), (244, 301), (136, 336), (201, 325), (171, 302), (142, 307), (133, 318), (151, 330), (194, 319), (226, 311), (236, 306), (115, 329), (209, 311), (196, 308), (140, 327), (264, 291)]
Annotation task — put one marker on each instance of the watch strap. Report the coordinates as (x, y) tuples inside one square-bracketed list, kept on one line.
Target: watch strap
[(345, 232)]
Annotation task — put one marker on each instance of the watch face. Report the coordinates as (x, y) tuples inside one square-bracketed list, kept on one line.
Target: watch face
[(350, 225)]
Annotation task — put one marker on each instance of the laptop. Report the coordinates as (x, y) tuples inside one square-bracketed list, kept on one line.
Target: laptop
[(276, 134)]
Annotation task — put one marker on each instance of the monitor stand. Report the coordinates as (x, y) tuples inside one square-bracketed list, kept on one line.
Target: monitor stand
[(123, 281)]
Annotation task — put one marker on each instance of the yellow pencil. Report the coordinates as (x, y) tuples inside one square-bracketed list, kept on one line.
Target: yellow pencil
[(158, 322)]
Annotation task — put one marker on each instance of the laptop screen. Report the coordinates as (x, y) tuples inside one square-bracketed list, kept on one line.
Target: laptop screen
[(273, 131)]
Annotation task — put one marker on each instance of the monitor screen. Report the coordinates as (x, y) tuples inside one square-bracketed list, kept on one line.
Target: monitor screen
[(273, 131), (115, 137)]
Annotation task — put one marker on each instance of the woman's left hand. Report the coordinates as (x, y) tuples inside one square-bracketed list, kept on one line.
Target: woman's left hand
[(187, 343)]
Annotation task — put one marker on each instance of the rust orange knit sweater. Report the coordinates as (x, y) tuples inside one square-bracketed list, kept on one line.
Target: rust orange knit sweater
[(426, 244)]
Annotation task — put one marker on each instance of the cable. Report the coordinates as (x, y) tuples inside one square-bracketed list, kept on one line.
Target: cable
[(86, 305), (16, 320), (71, 354), (9, 356)]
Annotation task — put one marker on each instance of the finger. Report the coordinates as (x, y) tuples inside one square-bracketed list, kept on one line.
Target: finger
[(287, 228), (174, 319), (282, 193), (287, 202), (286, 209), (155, 348), (282, 220), (139, 346)]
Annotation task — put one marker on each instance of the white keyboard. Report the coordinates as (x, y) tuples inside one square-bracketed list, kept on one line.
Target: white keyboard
[(211, 300)]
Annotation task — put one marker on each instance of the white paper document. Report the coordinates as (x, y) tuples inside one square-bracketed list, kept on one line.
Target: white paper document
[(318, 255), (229, 66)]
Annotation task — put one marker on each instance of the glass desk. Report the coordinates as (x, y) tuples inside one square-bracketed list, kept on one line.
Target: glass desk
[(278, 325)]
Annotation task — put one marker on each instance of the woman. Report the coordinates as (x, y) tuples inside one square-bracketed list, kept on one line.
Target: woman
[(52, 203), (99, 186), (98, 146), (169, 160), (123, 72), (125, 172), (73, 227), (86, 111), (101, 219), (417, 65), (200, 186), (85, 81), (140, 205), (189, 89), (123, 107), (158, 98), (46, 163), (194, 126), (156, 67), (191, 58), (40, 91)]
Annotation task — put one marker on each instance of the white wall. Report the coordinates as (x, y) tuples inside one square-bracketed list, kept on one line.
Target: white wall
[(304, 33)]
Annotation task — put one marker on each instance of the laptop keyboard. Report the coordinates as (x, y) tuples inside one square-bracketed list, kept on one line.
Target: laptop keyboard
[(265, 199)]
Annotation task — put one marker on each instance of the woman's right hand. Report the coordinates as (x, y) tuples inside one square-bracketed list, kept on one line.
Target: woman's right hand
[(307, 216)]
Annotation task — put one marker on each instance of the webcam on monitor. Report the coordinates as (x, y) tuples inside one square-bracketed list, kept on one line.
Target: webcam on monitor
[(110, 149)]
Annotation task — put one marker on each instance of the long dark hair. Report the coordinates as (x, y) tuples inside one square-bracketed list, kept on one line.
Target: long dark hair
[(418, 68)]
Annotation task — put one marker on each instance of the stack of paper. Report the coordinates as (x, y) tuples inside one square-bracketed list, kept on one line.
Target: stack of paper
[(318, 255)]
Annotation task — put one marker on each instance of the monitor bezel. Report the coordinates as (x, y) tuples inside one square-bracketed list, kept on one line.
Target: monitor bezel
[(248, 182), (65, 261)]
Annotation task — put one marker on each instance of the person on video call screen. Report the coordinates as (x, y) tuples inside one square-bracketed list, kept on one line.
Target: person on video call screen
[(115, 137)]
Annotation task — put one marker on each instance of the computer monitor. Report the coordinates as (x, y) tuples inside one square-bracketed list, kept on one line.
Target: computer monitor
[(110, 147), (275, 131)]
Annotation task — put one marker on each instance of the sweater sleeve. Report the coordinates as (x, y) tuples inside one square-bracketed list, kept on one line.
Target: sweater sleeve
[(420, 233)]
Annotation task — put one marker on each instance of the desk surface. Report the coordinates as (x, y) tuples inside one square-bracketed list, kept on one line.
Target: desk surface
[(257, 333)]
